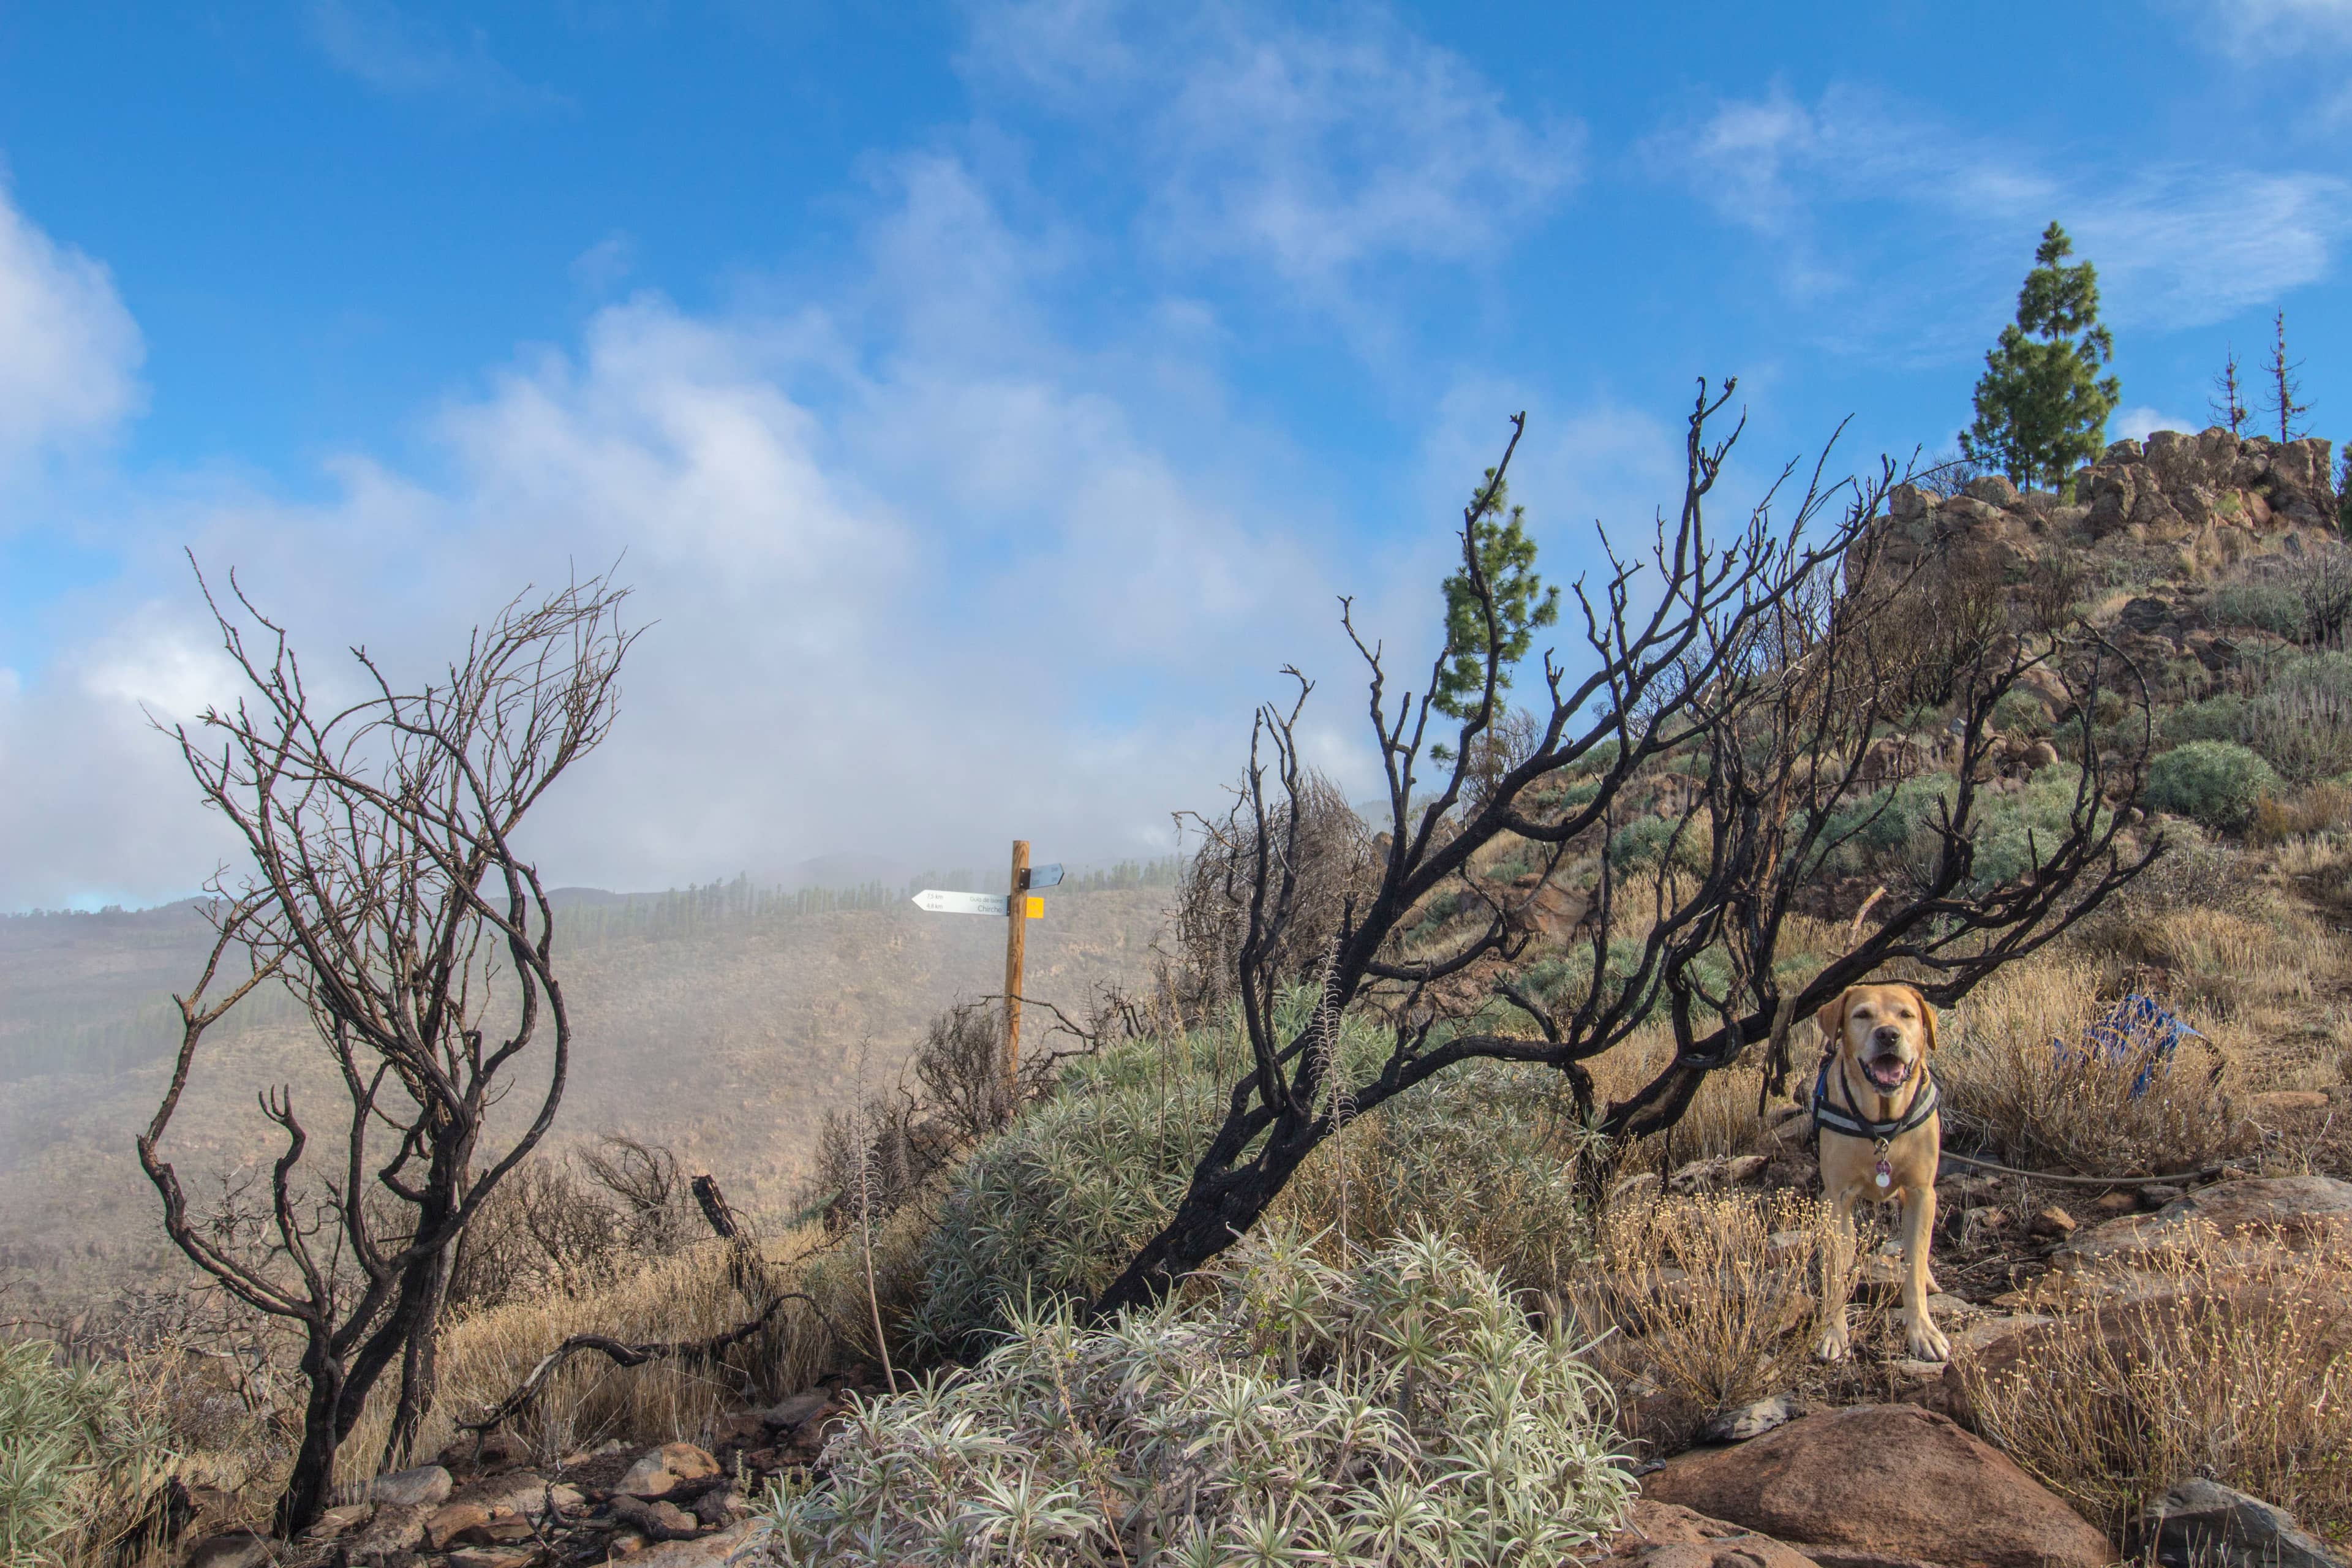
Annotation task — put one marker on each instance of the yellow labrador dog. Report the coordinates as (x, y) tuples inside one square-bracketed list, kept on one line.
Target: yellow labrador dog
[(1875, 1110)]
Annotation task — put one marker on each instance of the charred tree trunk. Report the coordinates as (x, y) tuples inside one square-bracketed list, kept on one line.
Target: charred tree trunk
[(1756, 684)]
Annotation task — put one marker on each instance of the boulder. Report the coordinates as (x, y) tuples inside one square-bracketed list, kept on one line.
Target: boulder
[(660, 1521), (705, 1551), (1750, 1421), (666, 1469), (787, 1414), (1663, 1535), (2203, 1524), (396, 1527), (232, 1549), (1882, 1484), (2245, 1221), (427, 1485), (341, 1521), (451, 1520)]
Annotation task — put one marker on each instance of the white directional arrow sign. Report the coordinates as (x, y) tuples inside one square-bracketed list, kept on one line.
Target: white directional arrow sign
[(940, 903)]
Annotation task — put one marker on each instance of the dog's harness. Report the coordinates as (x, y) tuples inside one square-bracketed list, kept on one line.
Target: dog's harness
[(1848, 1118)]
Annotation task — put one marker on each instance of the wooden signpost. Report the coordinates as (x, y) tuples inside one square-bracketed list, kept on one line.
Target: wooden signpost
[(1019, 909)]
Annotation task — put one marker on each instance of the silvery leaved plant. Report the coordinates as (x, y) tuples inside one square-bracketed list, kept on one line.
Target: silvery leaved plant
[(1283, 1411)]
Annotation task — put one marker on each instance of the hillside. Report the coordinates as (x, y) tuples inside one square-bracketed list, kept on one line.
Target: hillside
[(727, 1036)]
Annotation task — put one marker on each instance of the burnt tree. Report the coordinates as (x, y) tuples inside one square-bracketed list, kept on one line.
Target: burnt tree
[(387, 895), (1760, 671)]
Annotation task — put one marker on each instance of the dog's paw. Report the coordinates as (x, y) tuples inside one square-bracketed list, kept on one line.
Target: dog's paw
[(1832, 1345), (1927, 1342)]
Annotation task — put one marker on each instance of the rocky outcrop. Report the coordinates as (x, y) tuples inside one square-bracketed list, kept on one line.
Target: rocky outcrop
[(2202, 501), (2203, 1524), (1661, 1535), (1881, 1485)]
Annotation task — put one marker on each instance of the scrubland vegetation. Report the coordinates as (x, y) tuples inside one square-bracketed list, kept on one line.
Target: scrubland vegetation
[(1472, 1305)]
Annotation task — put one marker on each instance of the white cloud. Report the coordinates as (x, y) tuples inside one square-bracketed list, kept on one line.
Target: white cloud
[(1312, 153), (2139, 424), (906, 602), (1857, 185), (2255, 26), (396, 53), (70, 351)]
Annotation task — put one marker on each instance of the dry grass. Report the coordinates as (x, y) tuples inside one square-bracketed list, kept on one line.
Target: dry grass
[(691, 1295), (2008, 1088), (1707, 1304), (2237, 1374)]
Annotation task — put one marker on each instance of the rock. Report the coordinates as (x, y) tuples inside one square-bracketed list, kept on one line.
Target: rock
[(1750, 1420), (1991, 489), (2052, 1221), (2203, 1524), (232, 1549), (2239, 1222), (424, 1486), (721, 1505), (2156, 1195), (2112, 1203), (1661, 1535), (339, 1520), (517, 1492), (396, 1527), (1882, 1484), (495, 1557), (786, 1414), (451, 1520), (566, 1498), (1978, 1226), (660, 1521), (708, 1551), (766, 1460), (666, 1470)]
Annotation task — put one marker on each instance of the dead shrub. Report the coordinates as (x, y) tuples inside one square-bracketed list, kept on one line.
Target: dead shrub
[(2324, 808), (1330, 854), (2234, 1373), (573, 1225), (2019, 1083)]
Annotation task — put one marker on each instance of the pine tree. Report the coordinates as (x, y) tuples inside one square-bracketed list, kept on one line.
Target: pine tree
[(2041, 407), (2343, 493), (2285, 385), (1506, 559), (2228, 405)]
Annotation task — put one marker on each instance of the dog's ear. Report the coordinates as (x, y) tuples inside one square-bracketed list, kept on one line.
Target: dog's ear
[(1831, 1018), (1926, 1013)]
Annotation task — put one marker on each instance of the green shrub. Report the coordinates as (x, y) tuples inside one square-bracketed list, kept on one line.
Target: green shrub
[(1051, 1209), (2216, 783), (2262, 605), (2301, 719), (2222, 717), (1401, 1411), (74, 1456), (1643, 845)]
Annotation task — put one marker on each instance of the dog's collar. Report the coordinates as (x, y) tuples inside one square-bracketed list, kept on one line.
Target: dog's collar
[(1848, 1118)]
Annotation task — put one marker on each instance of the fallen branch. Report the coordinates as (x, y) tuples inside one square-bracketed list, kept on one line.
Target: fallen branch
[(623, 1354)]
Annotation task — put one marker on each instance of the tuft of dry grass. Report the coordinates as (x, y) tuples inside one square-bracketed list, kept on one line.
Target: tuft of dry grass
[(1706, 1303), (691, 1295), (2008, 1088), (2242, 1375)]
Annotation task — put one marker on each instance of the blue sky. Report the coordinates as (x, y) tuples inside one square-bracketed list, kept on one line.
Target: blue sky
[(989, 399)]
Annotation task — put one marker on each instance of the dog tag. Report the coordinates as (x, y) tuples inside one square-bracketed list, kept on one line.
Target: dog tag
[(1884, 1176)]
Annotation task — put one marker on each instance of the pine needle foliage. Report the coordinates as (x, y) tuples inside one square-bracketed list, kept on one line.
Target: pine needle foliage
[(1398, 1412), (1506, 560), (2042, 405), (72, 1450)]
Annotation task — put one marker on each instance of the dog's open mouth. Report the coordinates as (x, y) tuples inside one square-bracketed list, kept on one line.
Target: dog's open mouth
[(1886, 1073)]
